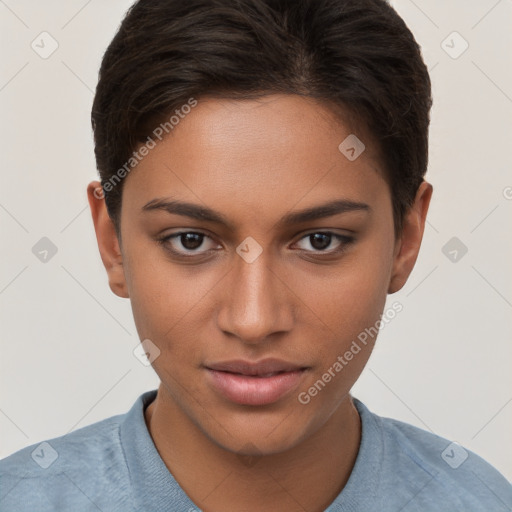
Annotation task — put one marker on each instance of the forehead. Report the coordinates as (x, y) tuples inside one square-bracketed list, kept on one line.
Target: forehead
[(275, 152)]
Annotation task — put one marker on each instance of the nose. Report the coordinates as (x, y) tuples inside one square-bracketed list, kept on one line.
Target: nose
[(256, 302)]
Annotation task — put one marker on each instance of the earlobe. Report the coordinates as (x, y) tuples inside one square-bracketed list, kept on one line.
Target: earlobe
[(108, 243), (408, 246)]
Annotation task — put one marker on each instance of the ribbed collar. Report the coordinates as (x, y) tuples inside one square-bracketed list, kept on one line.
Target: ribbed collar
[(154, 487)]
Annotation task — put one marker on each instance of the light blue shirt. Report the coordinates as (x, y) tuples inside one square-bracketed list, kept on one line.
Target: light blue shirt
[(113, 465)]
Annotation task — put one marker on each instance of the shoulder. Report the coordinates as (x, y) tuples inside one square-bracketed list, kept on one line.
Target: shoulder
[(439, 472), (73, 470)]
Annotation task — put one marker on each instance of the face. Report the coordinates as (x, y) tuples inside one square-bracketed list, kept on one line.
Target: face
[(248, 236)]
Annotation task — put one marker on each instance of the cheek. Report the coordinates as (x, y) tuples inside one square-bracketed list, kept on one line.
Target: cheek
[(350, 310), (352, 297), (348, 305), (169, 303)]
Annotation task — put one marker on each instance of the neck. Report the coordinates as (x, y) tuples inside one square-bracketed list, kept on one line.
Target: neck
[(308, 476)]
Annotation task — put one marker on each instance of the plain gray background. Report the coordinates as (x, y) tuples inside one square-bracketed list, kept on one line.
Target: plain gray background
[(442, 364)]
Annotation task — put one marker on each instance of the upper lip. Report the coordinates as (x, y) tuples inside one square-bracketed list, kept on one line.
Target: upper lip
[(255, 368)]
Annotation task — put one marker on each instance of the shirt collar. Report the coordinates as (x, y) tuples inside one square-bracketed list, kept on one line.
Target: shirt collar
[(154, 488)]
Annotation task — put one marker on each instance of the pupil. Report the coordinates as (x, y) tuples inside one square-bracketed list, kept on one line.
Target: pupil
[(323, 242), (191, 240)]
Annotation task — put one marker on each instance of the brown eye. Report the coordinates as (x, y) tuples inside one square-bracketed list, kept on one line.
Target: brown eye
[(191, 241), (188, 243), (321, 241)]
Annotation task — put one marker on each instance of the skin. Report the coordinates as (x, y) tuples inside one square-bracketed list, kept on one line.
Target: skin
[(253, 162)]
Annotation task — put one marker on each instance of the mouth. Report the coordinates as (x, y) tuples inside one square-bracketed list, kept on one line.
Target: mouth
[(261, 383)]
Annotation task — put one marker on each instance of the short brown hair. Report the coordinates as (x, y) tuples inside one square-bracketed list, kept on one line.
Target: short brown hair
[(357, 54)]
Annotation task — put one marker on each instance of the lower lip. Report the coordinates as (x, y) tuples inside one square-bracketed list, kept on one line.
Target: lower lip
[(246, 390)]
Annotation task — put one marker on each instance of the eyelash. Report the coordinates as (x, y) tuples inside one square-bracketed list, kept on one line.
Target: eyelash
[(344, 241)]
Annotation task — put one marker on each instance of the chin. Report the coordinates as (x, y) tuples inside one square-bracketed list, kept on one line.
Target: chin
[(259, 433)]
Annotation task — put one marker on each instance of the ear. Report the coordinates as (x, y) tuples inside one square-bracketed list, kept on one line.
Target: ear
[(108, 242), (408, 245)]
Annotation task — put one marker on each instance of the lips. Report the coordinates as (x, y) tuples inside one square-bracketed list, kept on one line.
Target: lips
[(247, 383), (263, 368)]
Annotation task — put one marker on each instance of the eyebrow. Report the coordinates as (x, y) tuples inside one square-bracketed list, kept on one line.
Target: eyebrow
[(207, 214)]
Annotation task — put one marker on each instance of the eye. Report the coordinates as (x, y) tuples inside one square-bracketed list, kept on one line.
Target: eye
[(320, 241), (187, 243)]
